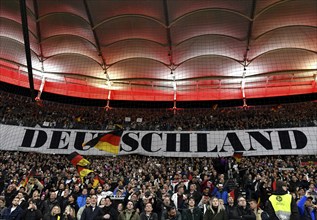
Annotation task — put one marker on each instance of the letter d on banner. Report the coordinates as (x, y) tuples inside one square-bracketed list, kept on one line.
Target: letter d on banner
[(29, 136)]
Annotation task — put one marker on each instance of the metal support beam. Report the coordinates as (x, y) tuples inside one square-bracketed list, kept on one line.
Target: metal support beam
[(27, 48), (245, 58), (104, 64), (168, 35)]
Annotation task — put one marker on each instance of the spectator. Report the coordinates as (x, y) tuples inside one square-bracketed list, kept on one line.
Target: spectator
[(281, 205), (192, 212), (10, 194), (32, 212), (72, 202), (108, 211), (242, 211), (81, 200), (50, 203), (193, 193), (2, 205), (307, 209), (215, 211), (204, 202), (220, 193), (179, 198), (54, 214), (14, 211), (171, 213), (148, 213), (69, 213), (230, 207), (259, 213), (129, 213), (92, 211), (81, 209)]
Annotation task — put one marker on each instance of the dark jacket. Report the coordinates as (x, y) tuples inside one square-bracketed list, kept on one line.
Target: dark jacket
[(294, 208), (48, 205), (89, 214), (215, 215), (230, 210), (15, 215), (48, 216), (197, 214), (30, 214), (109, 210), (242, 213), (153, 216)]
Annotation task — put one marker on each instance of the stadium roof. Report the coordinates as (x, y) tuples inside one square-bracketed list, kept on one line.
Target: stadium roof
[(161, 50)]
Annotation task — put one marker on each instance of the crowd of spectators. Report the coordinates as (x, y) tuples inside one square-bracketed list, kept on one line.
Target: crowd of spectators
[(134, 187), (138, 186), (20, 110)]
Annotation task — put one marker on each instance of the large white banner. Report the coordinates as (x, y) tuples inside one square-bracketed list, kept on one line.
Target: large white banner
[(286, 141)]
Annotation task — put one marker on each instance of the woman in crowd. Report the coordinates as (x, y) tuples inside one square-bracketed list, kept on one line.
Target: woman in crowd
[(55, 214), (215, 211)]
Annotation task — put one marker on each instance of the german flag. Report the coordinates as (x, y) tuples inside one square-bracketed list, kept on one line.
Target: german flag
[(77, 160), (109, 142), (24, 182), (237, 156), (308, 162), (82, 171), (97, 180)]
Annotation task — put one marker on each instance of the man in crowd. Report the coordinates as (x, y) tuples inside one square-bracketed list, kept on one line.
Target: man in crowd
[(242, 211), (129, 213), (81, 200), (148, 213), (81, 209), (14, 211), (193, 193), (307, 209), (171, 213), (259, 213), (48, 204), (108, 211), (192, 212), (91, 212)]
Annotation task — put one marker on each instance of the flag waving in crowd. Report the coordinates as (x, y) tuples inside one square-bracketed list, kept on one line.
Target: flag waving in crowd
[(24, 182), (80, 163), (109, 142), (77, 159), (237, 156)]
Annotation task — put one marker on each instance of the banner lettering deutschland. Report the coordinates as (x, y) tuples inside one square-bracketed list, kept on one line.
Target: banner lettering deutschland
[(275, 141)]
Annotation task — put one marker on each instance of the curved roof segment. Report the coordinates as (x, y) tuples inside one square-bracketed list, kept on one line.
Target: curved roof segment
[(161, 50)]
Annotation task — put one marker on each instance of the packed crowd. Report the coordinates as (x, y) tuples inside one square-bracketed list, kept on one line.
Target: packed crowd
[(137, 187), (19, 110)]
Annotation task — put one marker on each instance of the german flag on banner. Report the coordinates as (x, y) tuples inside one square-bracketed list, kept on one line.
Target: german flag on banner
[(237, 156), (82, 171), (77, 160), (109, 142)]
